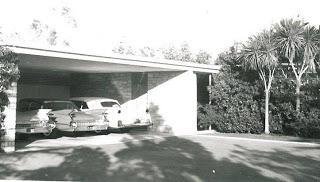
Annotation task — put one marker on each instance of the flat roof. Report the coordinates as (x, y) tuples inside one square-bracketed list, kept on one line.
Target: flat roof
[(37, 58)]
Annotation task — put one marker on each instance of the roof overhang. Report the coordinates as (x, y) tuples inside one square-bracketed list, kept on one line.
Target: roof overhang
[(43, 59)]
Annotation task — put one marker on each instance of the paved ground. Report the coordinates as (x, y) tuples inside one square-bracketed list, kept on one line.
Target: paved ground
[(145, 157)]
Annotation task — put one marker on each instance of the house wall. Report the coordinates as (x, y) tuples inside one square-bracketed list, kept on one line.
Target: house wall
[(172, 101), (115, 85), (43, 91)]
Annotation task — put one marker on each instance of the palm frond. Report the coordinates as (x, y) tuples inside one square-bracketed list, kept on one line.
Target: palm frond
[(311, 47), (289, 36), (260, 52)]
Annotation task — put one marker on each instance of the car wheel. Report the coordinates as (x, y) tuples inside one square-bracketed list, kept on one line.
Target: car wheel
[(98, 131), (47, 133), (105, 132), (53, 134)]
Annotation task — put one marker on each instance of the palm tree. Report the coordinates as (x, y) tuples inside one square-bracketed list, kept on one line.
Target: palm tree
[(299, 43), (260, 54)]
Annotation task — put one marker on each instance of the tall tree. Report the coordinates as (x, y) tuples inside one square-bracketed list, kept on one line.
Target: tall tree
[(260, 54), (299, 43)]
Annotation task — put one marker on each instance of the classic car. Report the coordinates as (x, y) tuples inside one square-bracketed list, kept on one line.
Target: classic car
[(112, 109), (33, 118), (43, 115)]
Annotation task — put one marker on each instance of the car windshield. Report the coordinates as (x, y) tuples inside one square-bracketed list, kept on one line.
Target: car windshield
[(59, 105), (109, 104)]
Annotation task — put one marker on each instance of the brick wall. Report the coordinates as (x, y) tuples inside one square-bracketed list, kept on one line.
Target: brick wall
[(115, 85), (7, 142)]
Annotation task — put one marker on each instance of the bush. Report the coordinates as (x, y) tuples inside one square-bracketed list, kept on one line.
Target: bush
[(234, 120), (303, 124), (237, 104), (234, 105)]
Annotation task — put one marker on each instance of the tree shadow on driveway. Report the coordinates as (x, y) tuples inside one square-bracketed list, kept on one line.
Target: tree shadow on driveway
[(287, 164), (167, 159)]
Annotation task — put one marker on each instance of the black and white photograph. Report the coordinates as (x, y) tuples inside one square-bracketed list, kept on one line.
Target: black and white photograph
[(160, 90)]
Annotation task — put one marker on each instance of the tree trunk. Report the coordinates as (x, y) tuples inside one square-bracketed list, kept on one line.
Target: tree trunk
[(266, 114), (298, 102)]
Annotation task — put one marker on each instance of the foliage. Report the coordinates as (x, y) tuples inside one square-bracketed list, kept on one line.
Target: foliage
[(9, 73), (285, 118), (183, 53), (234, 105), (299, 43), (260, 55), (304, 124), (123, 48), (203, 57), (236, 95)]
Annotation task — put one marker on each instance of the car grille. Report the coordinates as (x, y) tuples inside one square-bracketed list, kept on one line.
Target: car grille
[(88, 123), (28, 125)]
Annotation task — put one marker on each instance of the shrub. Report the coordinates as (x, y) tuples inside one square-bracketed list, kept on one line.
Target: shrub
[(235, 120), (306, 123), (234, 105)]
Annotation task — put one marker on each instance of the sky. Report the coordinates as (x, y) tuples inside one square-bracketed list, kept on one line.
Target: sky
[(207, 25)]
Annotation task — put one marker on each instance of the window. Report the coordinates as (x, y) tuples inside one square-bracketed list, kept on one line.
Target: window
[(55, 106), (81, 104), (109, 104)]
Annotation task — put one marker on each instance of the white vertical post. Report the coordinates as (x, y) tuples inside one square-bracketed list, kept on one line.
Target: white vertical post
[(210, 82), (7, 142)]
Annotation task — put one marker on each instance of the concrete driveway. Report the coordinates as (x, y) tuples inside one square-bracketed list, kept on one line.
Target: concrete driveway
[(146, 157)]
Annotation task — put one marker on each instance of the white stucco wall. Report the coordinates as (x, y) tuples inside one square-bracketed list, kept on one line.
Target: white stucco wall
[(172, 99)]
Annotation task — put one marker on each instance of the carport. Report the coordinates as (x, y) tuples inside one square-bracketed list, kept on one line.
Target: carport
[(167, 88)]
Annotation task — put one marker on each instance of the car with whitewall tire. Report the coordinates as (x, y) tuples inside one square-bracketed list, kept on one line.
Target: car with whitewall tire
[(111, 108)]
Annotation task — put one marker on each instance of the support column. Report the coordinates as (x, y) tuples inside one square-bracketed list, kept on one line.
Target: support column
[(210, 84), (7, 142)]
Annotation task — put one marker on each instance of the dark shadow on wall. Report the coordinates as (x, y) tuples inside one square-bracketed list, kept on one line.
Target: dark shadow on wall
[(202, 91), (139, 84), (158, 78), (158, 121), (96, 85)]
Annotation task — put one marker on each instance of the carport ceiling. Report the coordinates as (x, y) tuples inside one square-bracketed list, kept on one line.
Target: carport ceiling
[(35, 62)]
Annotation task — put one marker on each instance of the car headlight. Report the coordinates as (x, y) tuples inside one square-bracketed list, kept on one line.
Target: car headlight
[(51, 124), (73, 124)]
